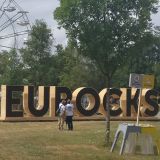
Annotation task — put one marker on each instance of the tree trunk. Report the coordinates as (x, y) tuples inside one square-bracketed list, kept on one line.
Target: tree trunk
[(107, 136)]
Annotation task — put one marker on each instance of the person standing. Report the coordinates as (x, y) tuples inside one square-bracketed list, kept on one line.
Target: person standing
[(61, 117), (69, 109)]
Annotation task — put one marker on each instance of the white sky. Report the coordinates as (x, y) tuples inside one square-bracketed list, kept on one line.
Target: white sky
[(43, 9)]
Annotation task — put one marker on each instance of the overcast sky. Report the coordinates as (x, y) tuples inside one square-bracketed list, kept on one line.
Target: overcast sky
[(43, 9)]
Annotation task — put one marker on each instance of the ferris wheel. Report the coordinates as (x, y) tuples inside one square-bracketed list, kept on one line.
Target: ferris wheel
[(14, 25)]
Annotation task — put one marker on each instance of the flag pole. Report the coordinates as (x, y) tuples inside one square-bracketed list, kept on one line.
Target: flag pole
[(139, 105)]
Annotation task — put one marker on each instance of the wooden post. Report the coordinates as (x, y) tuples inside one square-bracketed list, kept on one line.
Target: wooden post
[(108, 117), (139, 105), (3, 102)]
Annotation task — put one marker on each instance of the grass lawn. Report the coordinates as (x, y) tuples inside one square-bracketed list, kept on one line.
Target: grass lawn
[(42, 141)]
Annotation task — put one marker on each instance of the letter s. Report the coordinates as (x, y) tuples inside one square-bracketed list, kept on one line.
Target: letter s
[(154, 109)]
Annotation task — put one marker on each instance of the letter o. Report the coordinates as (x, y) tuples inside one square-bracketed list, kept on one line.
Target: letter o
[(94, 101)]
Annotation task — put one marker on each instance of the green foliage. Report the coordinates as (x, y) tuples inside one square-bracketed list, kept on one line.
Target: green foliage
[(37, 56), (78, 71), (108, 40), (10, 68), (104, 30), (143, 59), (74, 72)]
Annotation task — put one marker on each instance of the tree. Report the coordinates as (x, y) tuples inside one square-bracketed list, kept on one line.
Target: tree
[(73, 67), (145, 61), (11, 68), (37, 56), (76, 70), (106, 30), (140, 60)]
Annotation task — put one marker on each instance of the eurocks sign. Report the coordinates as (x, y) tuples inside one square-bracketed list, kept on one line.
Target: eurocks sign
[(124, 102)]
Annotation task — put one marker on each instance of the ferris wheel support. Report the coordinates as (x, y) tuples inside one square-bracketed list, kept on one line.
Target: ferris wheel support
[(14, 25)]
